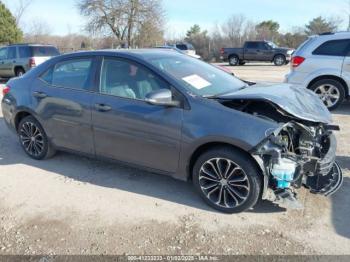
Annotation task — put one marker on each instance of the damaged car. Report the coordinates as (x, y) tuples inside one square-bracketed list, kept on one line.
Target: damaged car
[(237, 142)]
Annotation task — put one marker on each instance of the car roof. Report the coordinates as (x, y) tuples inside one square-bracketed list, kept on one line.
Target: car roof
[(139, 53)]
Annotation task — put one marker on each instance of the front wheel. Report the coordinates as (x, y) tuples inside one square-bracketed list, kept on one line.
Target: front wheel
[(227, 180), (19, 72), (279, 60), (33, 139)]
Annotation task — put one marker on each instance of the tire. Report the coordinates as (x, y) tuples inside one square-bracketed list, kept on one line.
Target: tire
[(279, 60), (330, 91), (19, 72), (235, 198), (33, 139), (233, 60)]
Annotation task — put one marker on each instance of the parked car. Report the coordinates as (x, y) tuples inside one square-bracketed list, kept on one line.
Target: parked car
[(322, 64), (187, 49), (16, 60), (257, 51), (178, 116)]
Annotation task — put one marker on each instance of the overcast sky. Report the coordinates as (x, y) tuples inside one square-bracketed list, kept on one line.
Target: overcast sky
[(63, 17)]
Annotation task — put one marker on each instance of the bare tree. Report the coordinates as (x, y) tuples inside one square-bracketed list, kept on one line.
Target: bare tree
[(124, 18), (20, 9)]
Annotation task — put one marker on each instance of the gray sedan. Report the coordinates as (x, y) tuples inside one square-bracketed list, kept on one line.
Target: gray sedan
[(178, 116)]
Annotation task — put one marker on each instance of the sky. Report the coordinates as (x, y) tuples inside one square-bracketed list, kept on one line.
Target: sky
[(62, 16)]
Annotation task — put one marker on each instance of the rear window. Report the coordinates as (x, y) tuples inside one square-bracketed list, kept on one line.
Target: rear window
[(24, 51), (333, 48), (182, 47), (41, 51), (252, 45)]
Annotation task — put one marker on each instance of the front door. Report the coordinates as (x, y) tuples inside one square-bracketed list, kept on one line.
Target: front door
[(63, 101), (127, 128)]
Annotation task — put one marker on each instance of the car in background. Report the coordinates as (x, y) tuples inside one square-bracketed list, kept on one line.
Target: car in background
[(186, 49), (17, 59), (322, 64), (264, 51), (178, 116)]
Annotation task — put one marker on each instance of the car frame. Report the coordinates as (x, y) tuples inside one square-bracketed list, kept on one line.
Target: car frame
[(175, 132)]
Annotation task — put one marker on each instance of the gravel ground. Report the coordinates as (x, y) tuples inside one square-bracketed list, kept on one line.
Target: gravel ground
[(75, 205)]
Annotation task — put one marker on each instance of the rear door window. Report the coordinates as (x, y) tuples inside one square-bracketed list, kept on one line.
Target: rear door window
[(12, 53), (75, 74), (182, 47), (252, 45), (24, 52), (42, 51), (333, 48)]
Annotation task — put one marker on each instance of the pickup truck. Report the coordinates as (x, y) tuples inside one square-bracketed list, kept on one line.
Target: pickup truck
[(257, 51)]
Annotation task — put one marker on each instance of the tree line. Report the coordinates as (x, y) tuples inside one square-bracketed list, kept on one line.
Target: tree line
[(141, 23)]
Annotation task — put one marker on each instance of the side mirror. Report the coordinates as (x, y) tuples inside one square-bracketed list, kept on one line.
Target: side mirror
[(161, 97)]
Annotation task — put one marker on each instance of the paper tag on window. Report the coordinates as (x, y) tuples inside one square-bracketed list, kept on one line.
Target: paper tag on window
[(196, 81)]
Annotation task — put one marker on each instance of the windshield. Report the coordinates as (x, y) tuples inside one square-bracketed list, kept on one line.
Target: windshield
[(273, 45), (198, 77)]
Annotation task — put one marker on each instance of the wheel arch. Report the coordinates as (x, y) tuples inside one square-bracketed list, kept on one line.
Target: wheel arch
[(18, 67), (21, 114), (332, 77), (210, 145)]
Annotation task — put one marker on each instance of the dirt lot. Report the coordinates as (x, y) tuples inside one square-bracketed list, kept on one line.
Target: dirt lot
[(74, 205)]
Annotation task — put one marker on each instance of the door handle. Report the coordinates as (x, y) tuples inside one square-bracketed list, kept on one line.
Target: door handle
[(103, 107), (39, 94)]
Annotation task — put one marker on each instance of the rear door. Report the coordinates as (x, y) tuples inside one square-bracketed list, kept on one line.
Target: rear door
[(346, 65), (251, 51), (3, 58), (125, 126), (63, 100)]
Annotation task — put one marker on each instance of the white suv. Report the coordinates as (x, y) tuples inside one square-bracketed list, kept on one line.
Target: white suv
[(322, 64)]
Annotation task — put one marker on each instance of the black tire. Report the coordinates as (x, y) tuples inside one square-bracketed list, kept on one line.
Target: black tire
[(19, 72), (339, 89), (245, 169), (279, 60), (41, 148), (233, 60)]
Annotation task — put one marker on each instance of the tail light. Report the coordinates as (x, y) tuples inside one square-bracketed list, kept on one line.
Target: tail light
[(5, 90), (31, 62), (222, 51), (297, 61)]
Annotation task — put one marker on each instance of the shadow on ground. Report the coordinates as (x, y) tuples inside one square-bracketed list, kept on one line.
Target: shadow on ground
[(343, 109), (111, 175)]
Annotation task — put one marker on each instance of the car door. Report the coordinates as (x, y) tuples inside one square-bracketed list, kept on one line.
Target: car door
[(3, 58), (63, 99), (265, 52), (9, 63), (346, 65), (125, 126), (251, 51)]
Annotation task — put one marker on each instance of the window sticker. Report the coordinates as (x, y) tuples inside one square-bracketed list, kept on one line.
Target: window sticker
[(196, 81)]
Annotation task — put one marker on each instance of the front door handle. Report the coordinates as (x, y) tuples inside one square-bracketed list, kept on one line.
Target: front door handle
[(103, 107), (39, 94)]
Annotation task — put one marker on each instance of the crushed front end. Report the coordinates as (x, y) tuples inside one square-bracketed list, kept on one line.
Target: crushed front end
[(295, 155)]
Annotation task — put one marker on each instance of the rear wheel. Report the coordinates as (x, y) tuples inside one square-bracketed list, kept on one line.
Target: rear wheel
[(19, 72), (330, 91), (33, 139), (233, 60), (279, 60), (227, 180)]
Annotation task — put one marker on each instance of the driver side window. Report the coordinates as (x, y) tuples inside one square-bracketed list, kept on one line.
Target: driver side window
[(124, 78)]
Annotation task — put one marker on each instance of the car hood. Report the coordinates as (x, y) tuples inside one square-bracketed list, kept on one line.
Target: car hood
[(295, 100)]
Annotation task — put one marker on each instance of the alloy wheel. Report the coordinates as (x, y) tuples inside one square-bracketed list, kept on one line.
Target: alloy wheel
[(32, 139), (279, 60), (224, 182), (233, 60), (329, 94)]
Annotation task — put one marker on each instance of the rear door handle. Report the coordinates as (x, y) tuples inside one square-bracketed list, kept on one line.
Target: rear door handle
[(39, 94), (103, 107)]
